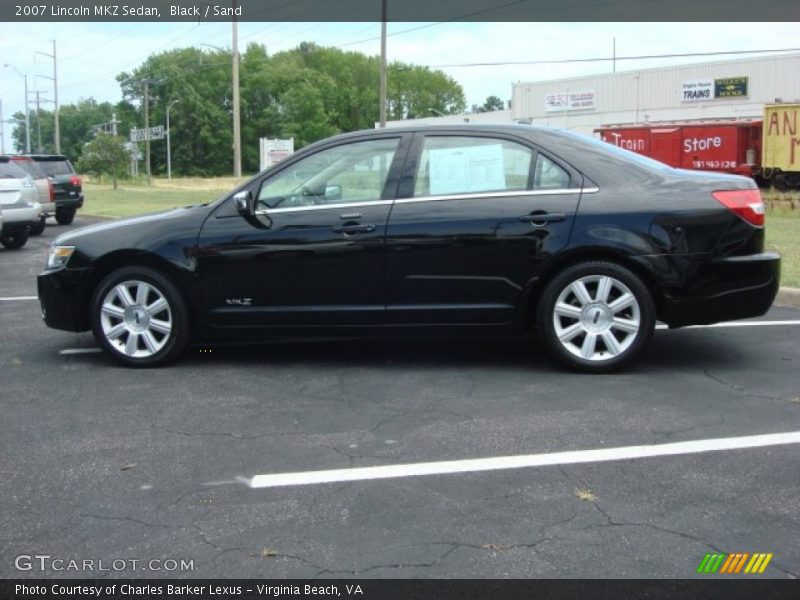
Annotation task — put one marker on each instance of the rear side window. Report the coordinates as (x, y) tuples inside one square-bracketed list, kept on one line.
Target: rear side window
[(548, 175), (8, 170), (56, 167), (469, 165)]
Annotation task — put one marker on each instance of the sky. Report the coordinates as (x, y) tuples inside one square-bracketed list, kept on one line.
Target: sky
[(92, 54)]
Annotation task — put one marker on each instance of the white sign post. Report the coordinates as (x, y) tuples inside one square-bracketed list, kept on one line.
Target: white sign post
[(274, 151)]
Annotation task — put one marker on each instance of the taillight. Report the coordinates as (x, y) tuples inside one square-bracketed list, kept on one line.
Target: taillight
[(75, 181), (52, 190), (745, 203)]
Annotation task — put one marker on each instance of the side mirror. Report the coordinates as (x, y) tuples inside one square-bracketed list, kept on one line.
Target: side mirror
[(245, 203), (333, 192)]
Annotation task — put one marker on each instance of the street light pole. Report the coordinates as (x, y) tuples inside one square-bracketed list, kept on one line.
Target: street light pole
[(2, 131), (169, 148), (237, 126), (27, 116), (147, 128)]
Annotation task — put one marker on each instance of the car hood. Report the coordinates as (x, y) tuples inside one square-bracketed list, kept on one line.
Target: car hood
[(121, 227)]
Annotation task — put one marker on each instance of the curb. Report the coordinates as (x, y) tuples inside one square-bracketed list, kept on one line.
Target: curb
[(788, 297)]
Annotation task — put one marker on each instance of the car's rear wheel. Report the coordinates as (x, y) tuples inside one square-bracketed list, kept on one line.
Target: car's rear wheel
[(65, 216), (38, 229), (595, 316), (15, 239), (140, 318)]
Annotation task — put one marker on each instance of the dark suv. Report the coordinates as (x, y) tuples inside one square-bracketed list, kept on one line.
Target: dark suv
[(67, 184)]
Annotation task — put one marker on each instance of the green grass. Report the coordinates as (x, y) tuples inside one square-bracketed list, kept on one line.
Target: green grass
[(783, 235), (783, 222), (130, 200)]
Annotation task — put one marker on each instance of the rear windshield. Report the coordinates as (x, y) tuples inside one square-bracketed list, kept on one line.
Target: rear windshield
[(56, 167), (619, 152), (8, 170), (31, 168)]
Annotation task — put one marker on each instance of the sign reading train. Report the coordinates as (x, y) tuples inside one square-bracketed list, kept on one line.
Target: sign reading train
[(768, 151)]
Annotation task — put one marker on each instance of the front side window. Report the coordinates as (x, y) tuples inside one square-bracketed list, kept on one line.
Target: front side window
[(465, 165), (349, 173)]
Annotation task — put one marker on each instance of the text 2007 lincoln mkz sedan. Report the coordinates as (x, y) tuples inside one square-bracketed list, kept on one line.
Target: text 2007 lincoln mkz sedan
[(469, 230)]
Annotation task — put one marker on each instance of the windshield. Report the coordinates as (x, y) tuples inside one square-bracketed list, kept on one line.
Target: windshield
[(9, 170), (30, 168)]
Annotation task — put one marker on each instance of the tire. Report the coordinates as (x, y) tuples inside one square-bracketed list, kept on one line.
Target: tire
[(65, 216), (39, 228), (15, 240), (146, 327), (595, 317)]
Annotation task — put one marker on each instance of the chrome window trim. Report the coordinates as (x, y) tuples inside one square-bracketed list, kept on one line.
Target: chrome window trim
[(500, 194), (338, 205), (347, 205)]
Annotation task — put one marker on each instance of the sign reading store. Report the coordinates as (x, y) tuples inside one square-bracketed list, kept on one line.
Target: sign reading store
[(699, 90)]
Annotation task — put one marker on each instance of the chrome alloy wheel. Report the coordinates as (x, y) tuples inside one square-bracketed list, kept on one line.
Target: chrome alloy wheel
[(596, 318), (136, 319)]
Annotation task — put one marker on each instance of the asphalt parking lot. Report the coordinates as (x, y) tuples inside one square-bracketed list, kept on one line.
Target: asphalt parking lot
[(101, 462)]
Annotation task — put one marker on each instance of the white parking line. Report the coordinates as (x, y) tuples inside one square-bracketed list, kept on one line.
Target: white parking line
[(17, 298), (79, 351), (739, 324), (522, 461)]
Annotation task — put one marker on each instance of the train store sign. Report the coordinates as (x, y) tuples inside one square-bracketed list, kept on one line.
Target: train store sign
[(700, 90)]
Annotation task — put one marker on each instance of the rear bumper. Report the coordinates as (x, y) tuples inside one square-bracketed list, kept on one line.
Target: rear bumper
[(725, 289), (64, 299), (70, 201)]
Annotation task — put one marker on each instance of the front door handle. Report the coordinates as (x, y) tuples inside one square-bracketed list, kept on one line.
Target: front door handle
[(354, 229), (541, 218)]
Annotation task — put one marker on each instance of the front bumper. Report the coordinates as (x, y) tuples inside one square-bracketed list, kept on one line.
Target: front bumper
[(725, 289), (64, 298)]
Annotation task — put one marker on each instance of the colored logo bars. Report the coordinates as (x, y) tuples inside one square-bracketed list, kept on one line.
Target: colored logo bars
[(734, 563)]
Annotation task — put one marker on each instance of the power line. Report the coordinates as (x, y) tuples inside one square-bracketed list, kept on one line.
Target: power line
[(610, 58)]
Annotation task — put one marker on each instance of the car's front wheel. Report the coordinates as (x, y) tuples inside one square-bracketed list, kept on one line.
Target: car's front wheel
[(595, 316), (139, 317)]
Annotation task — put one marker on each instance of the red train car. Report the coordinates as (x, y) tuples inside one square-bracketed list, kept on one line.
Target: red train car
[(729, 146)]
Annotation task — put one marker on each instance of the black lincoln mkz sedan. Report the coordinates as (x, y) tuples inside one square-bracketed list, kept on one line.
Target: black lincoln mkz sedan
[(447, 231)]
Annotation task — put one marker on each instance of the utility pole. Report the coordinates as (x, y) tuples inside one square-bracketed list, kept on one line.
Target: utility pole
[(54, 78), (27, 116), (38, 124), (237, 126), (383, 65), (169, 143), (147, 128)]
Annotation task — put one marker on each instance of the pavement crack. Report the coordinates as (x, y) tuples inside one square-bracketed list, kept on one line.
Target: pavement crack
[(131, 520), (738, 388)]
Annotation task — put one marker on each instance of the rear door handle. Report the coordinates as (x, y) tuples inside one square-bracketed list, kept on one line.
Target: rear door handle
[(542, 218), (354, 229)]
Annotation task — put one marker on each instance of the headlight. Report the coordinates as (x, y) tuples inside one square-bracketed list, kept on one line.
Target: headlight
[(58, 256)]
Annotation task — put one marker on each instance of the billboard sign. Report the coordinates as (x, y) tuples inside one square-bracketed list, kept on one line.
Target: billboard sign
[(155, 133), (731, 87), (697, 90), (570, 101)]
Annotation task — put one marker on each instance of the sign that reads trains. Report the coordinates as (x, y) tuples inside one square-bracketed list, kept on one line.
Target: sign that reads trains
[(697, 90), (570, 101), (731, 87), (154, 133)]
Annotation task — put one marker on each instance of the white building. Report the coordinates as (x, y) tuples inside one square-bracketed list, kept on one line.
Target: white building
[(723, 89)]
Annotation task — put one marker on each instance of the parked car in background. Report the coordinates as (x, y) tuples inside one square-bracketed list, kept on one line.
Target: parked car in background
[(452, 230), (68, 185), (19, 200), (44, 187)]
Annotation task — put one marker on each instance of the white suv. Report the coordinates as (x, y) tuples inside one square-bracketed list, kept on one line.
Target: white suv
[(19, 202)]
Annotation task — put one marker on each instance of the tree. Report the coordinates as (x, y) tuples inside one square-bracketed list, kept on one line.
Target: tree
[(106, 154), (491, 104)]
